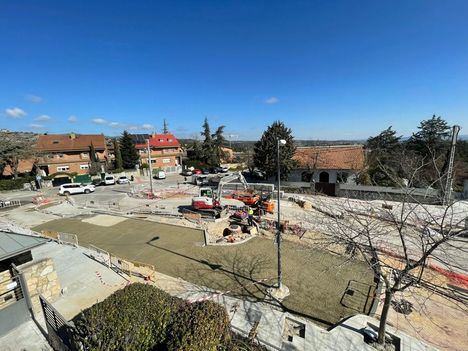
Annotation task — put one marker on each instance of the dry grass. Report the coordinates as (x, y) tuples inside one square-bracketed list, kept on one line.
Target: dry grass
[(317, 280)]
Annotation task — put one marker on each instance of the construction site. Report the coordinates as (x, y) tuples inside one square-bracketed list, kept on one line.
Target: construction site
[(217, 236)]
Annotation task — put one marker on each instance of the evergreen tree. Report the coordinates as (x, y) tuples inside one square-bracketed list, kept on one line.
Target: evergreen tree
[(128, 151), (92, 153), (218, 141), (265, 151), (118, 156), (431, 146), (95, 165), (384, 152), (432, 138), (165, 129), (208, 151)]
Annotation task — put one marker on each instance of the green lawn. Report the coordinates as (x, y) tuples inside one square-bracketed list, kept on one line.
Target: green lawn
[(317, 280)]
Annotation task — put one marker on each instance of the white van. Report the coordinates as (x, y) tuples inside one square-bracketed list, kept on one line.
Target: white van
[(109, 180)]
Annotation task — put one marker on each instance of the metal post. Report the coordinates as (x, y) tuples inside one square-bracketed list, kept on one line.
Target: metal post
[(449, 181), (150, 166), (278, 233)]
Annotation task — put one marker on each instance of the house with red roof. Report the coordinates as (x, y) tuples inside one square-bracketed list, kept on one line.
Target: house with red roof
[(166, 151), (328, 164), (69, 153)]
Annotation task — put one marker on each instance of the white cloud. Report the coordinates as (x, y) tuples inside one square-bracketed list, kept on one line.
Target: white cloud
[(147, 126), (35, 126), (15, 112), (271, 100), (72, 119), (43, 118), (99, 121), (115, 125), (133, 128), (33, 99)]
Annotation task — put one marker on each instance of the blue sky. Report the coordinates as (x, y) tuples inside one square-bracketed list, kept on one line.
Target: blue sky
[(328, 69)]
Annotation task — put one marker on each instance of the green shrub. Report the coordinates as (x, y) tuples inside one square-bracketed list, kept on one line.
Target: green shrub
[(142, 317), (201, 326), (134, 318), (13, 184)]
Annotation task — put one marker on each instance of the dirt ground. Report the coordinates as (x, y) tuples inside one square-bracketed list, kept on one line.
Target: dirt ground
[(318, 281)]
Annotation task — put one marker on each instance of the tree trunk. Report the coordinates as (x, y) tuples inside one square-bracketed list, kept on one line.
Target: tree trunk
[(384, 315)]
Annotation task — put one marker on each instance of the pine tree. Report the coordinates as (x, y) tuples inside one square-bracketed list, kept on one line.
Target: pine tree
[(118, 156), (207, 146), (128, 151), (265, 150), (165, 128), (432, 138), (218, 142), (384, 158)]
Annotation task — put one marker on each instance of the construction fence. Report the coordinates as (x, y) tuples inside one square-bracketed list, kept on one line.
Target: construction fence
[(110, 260)]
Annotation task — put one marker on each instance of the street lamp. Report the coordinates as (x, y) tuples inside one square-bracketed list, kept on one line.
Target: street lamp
[(278, 225)]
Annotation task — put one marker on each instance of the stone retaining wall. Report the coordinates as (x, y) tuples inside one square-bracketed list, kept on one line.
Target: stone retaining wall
[(41, 279)]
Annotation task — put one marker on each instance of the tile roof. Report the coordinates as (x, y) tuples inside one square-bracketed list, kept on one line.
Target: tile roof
[(346, 157), (24, 166), (156, 140), (70, 142)]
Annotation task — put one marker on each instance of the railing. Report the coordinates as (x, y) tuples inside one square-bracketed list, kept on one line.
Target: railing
[(10, 292)]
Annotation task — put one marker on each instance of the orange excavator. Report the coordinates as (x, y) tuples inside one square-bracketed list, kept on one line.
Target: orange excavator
[(209, 201)]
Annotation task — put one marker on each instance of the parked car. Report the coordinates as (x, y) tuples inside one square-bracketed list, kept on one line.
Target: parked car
[(160, 175), (123, 180), (205, 171), (186, 172), (75, 188), (214, 170), (197, 171), (97, 181), (109, 180), (224, 169)]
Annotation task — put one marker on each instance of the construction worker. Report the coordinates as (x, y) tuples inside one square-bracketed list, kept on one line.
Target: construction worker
[(250, 212)]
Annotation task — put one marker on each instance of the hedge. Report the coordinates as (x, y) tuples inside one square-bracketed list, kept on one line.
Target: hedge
[(134, 318), (13, 184), (142, 317), (201, 326)]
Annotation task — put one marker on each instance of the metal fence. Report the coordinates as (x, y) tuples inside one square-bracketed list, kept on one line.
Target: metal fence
[(66, 238), (59, 330)]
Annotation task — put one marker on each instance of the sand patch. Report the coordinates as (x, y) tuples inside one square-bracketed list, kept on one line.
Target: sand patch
[(104, 220)]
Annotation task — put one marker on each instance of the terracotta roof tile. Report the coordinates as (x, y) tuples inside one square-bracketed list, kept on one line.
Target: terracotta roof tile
[(346, 157), (70, 142), (160, 140)]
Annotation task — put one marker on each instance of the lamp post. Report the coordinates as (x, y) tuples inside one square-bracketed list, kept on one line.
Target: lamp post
[(278, 225), (150, 167)]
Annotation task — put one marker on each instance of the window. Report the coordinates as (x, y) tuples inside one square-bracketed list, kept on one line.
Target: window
[(61, 155), (166, 160), (55, 142), (63, 168), (84, 155), (86, 166)]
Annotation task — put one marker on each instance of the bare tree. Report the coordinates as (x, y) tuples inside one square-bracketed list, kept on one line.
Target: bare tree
[(15, 147), (398, 240)]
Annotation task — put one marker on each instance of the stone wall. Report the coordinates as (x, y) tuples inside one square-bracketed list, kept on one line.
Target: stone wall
[(41, 279)]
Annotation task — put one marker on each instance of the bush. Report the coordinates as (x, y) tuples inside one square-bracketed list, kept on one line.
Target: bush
[(134, 318), (13, 184), (201, 326), (142, 317)]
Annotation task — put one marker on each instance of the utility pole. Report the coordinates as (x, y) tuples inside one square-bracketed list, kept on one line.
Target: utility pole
[(278, 226), (449, 181), (150, 166)]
